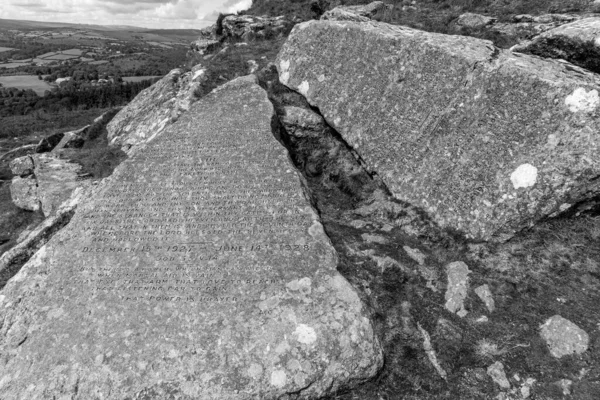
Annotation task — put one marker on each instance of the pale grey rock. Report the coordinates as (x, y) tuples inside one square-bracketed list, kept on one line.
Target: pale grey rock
[(451, 124), (367, 237), (248, 27), (496, 372), (203, 45), (563, 337), (415, 254), (485, 294), (33, 239), (154, 109), (359, 13), (22, 166), (577, 42), (252, 66), (205, 276), (458, 286), (51, 182), (24, 193), (565, 385), (474, 21), (527, 26), (56, 179)]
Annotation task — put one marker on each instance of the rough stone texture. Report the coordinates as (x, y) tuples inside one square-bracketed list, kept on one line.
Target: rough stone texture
[(577, 42), (205, 275), (56, 180), (563, 337), (22, 166), (485, 294), (51, 182), (154, 109), (496, 372), (34, 239), (458, 286), (300, 122), (248, 27), (359, 13), (448, 122), (527, 26), (24, 193), (203, 45), (475, 21)]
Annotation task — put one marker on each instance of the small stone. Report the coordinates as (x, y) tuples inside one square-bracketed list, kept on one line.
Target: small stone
[(563, 337), (358, 223), (565, 385), (496, 372), (458, 285), (21, 166), (485, 295), (415, 254), (374, 238)]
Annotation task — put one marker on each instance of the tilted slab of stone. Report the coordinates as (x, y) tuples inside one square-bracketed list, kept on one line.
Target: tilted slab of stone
[(154, 109), (51, 182), (577, 42), (486, 141), (199, 271)]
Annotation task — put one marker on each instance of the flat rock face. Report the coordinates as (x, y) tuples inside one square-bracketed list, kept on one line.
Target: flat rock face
[(50, 183), (199, 271), (563, 337), (154, 109), (472, 20), (577, 42), (487, 142)]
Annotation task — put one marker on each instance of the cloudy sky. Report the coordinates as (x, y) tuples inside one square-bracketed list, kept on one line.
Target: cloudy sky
[(147, 13)]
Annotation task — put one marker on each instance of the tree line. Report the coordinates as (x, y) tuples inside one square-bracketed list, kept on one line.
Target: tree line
[(69, 97)]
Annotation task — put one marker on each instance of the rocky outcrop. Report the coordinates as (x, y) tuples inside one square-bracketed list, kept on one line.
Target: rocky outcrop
[(525, 26), (487, 142), (577, 42), (63, 140), (360, 13), (43, 182), (474, 21), (248, 27), (154, 109), (255, 307)]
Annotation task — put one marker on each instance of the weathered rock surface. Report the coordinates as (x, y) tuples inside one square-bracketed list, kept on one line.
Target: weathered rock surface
[(474, 21), (458, 287), (71, 140), (248, 27), (34, 239), (527, 26), (49, 142), (563, 337), (577, 42), (154, 109), (360, 13), (50, 183), (486, 141), (24, 193), (205, 275)]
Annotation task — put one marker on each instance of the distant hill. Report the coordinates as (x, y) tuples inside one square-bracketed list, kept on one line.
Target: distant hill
[(23, 25)]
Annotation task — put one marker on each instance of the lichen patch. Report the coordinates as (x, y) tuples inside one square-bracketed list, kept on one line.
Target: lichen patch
[(304, 87), (305, 334), (524, 176), (278, 378), (583, 101), (284, 73)]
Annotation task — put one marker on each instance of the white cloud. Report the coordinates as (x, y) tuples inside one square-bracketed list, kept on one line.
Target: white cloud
[(241, 5), (147, 13)]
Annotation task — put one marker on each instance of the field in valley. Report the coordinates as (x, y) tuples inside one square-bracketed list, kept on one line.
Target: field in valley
[(26, 82)]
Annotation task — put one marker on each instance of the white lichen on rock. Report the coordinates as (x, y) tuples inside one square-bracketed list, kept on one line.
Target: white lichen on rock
[(278, 378), (284, 74), (303, 88), (305, 334), (524, 176), (582, 100)]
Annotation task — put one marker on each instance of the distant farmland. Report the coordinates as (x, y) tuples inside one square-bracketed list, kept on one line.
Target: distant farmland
[(26, 82), (5, 49), (140, 78)]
